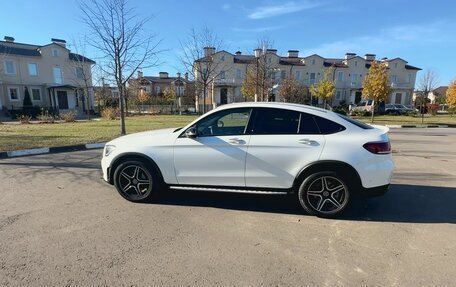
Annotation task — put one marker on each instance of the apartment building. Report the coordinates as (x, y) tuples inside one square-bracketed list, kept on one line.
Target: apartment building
[(347, 73), (55, 77)]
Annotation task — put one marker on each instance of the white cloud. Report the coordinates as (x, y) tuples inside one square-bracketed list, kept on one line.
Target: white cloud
[(281, 9), (386, 41)]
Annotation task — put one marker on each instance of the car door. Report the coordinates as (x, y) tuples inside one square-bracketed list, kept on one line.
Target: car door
[(216, 155), (282, 143)]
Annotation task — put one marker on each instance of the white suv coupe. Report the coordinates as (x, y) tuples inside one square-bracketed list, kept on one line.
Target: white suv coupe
[(321, 157)]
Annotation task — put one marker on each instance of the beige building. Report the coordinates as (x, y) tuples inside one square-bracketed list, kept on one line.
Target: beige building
[(348, 73), (55, 77)]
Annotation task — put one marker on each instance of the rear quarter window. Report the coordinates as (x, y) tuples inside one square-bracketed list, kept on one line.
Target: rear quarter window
[(327, 126), (356, 123)]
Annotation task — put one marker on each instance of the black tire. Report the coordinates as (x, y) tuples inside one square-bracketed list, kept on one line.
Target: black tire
[(324, 194), (136, 181)]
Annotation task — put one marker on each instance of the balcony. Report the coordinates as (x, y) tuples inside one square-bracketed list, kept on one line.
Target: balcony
[(228, 82), (395, 85)]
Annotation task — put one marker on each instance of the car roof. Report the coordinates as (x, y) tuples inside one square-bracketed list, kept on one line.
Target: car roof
[(291, 106)]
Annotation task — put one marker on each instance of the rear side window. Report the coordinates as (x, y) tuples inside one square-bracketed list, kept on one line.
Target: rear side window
[(328, 127), (307, 125), (356, 123), (276, 121)]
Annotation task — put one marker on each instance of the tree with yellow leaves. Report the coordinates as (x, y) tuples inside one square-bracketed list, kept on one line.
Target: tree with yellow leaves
[(451, 96), (376, 85), (324, 89)]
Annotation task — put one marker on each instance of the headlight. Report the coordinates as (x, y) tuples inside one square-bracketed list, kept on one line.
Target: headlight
[(108, 149)]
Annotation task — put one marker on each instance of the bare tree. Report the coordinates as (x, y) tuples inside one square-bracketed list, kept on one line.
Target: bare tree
[(261, 72), (83, 71), (118, 35), (428, 82), (198, 50)]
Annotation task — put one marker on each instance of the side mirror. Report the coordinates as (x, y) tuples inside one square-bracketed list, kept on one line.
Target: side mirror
[(191, 132)]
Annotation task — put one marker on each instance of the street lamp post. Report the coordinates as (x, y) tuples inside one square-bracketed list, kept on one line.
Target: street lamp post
[(179, 93), (257, 54)]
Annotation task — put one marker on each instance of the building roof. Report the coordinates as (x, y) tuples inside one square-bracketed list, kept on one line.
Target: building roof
[(21, 49), (162, 80), (299, 61), (440, 90)]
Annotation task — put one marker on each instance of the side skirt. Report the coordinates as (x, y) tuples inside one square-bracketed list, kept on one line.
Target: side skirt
[(229, 189)]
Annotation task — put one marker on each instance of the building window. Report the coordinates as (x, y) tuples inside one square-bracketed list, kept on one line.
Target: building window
[(298, 75), (157, 90), (57, 72), (222, 58), (79, 73), (313, 61), (222, 75), (338, 95), (33, 69), (36, 94), (55, 52), (13, 94), (283, 75), (356, 63), (409, 79), (238, 74), (395, 65), (393, 79), (354, 79), (10, 67), (312, 79), (340, 76)]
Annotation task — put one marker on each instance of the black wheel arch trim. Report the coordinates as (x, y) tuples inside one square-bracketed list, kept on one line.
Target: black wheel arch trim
[(348, 171), (132, 155)]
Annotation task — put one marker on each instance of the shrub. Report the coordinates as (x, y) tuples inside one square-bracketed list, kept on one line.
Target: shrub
[(68, 116), (45, 117), (24, 119), (361, 113), (110, 113)]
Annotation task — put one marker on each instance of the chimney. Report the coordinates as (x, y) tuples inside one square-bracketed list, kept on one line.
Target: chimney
[(369, 57), (238, 53), (293, 53), (59, 42), (163, 75), (140, 74), (208, 51), (186, 76), (9, 39), (349, 55), (178, 74), (257, 52)]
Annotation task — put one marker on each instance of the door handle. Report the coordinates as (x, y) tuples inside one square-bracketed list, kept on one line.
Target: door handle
[(309, 142), (236, 141)]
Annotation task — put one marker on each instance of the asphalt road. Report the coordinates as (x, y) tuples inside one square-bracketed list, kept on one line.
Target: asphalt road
[(60, 225)]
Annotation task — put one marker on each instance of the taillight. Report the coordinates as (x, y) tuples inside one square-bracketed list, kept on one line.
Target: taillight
[(378, 147)]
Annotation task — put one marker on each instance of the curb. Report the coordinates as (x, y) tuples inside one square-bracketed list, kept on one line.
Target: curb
[(419, 126), (58, 149)]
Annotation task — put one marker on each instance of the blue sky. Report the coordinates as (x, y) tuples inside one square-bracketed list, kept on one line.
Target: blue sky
[(421, 32)]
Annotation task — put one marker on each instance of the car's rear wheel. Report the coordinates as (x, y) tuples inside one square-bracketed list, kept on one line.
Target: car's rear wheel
[(135, 181), (324, 194)]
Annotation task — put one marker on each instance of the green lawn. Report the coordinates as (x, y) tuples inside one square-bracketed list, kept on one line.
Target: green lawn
[(22, 136), (410, 120)]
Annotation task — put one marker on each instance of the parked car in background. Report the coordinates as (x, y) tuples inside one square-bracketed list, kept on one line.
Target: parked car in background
[(322, 158), (398, 109)]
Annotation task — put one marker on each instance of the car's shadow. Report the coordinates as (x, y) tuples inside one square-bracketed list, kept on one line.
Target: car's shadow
[(402, 203)]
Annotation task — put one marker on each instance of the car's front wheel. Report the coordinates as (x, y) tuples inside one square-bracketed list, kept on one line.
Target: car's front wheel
[(324, 194), (135, 181)]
